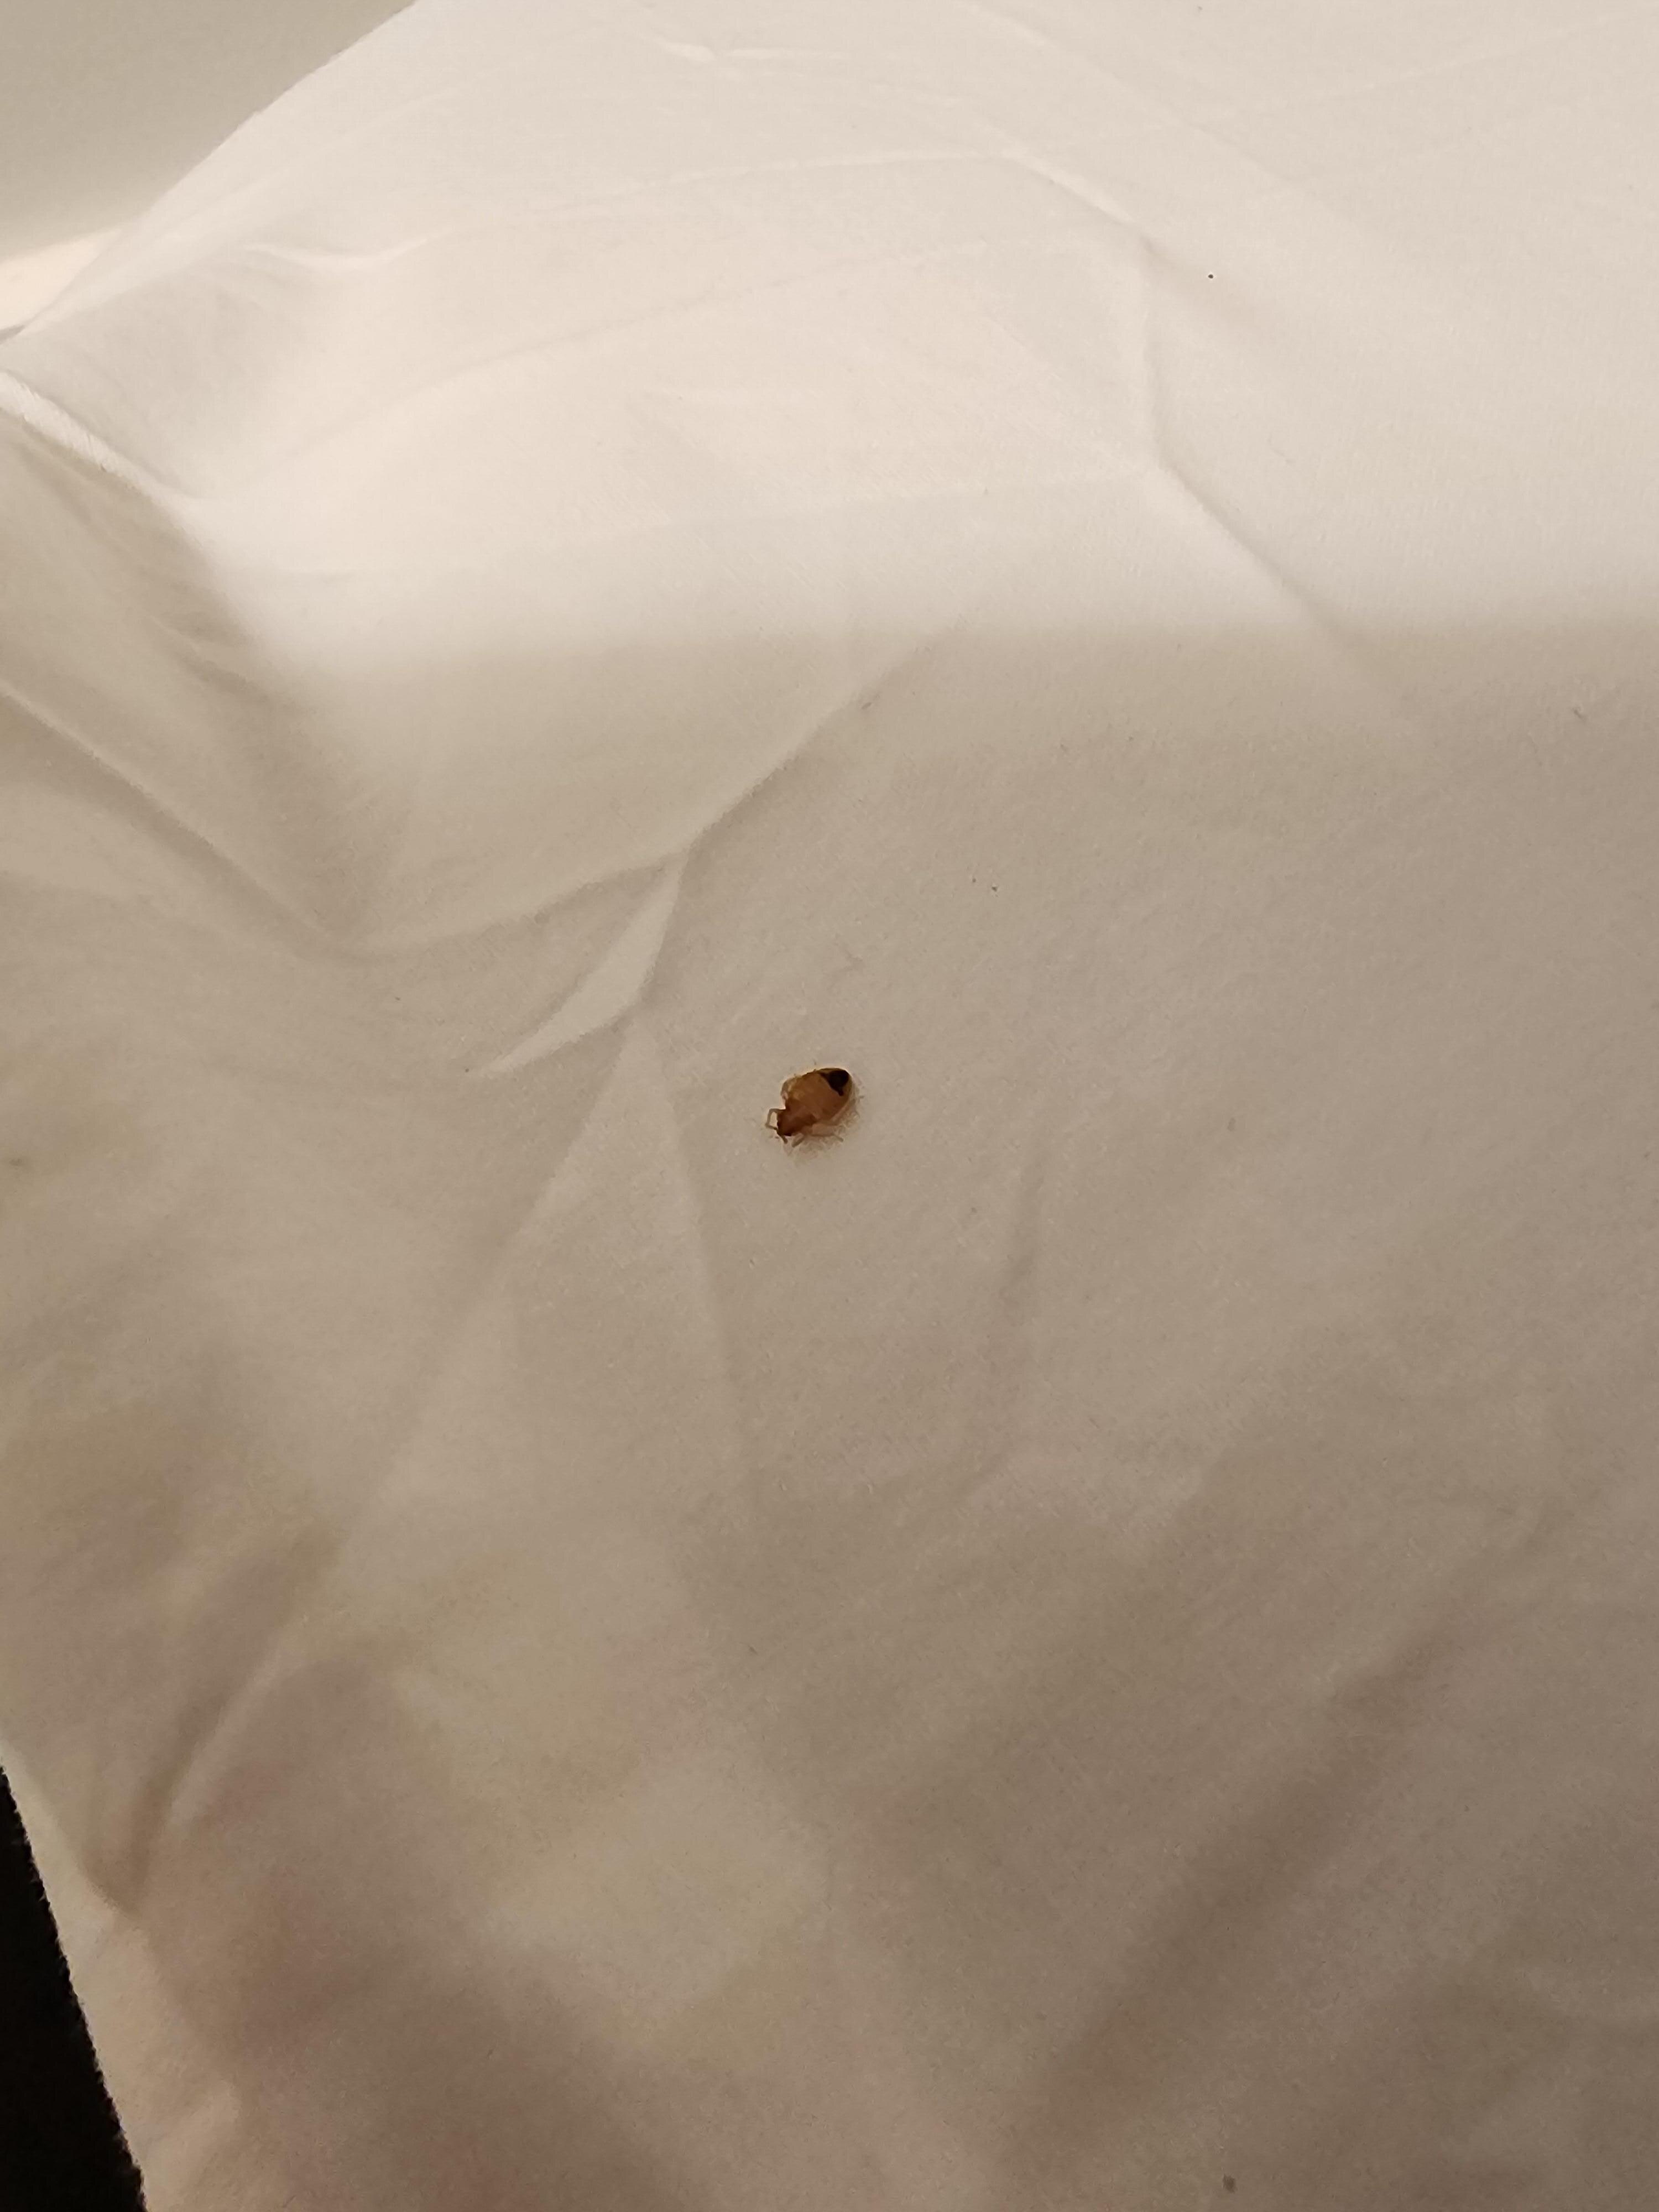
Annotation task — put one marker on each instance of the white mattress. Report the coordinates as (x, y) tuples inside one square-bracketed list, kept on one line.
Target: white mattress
[(1094, 1643)]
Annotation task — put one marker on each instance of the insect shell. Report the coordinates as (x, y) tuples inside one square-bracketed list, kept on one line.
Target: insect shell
[(812, 1103)]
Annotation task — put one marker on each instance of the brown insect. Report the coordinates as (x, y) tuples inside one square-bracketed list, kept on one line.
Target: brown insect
[(812, 1103)]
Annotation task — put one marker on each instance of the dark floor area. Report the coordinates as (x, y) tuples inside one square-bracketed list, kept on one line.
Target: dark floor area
[(61, 2147)]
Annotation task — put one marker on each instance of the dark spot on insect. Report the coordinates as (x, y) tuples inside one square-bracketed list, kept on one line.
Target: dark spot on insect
[(838, 1079)]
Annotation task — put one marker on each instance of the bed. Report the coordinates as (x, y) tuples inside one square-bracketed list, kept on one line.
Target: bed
[(1088, 1637)]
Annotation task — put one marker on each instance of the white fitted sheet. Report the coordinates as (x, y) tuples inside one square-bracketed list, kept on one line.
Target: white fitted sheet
[(1094, 1643)]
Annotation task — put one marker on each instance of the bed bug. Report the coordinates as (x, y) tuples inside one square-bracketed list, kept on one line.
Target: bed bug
[(812, 1103)]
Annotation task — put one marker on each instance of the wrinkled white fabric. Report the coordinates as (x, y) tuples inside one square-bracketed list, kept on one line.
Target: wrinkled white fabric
[(1094, 1643)]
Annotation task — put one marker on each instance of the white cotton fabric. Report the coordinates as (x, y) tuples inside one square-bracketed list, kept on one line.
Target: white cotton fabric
[(1095, 1642)]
